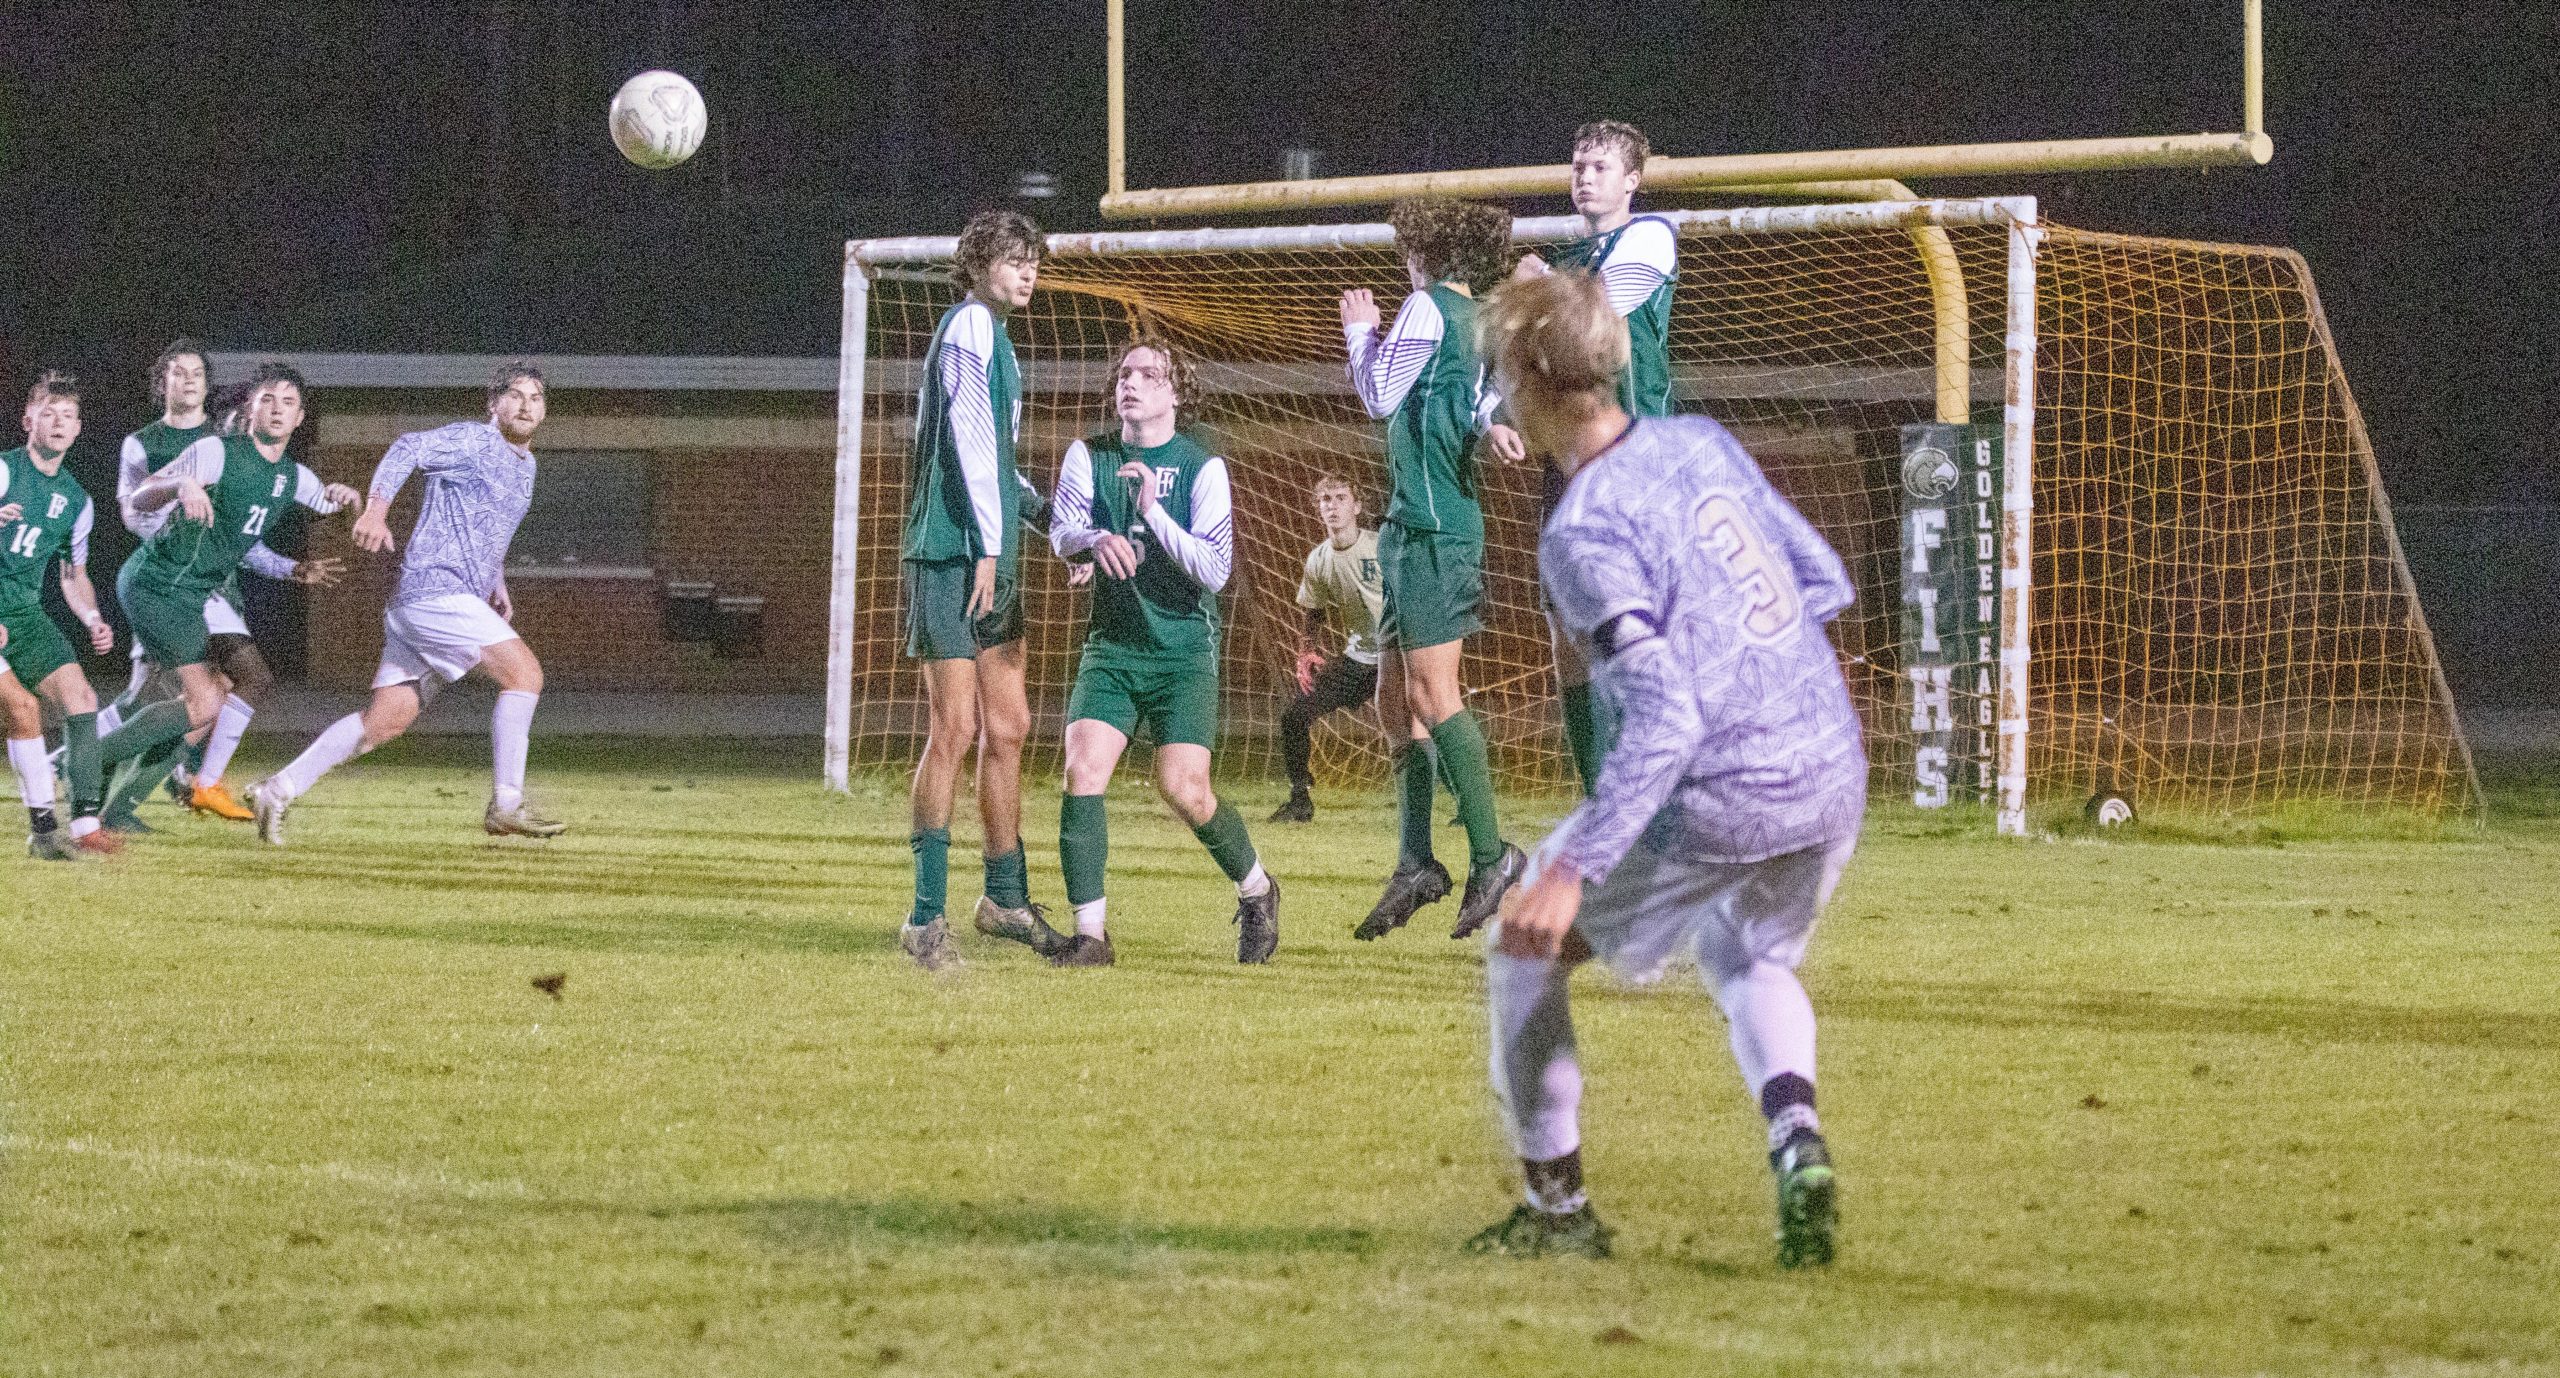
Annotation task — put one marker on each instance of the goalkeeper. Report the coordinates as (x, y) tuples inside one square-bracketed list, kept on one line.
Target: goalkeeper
[(1341, 578)]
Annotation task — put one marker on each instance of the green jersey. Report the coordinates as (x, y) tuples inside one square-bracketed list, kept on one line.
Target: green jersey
[(53, 525), (1186, 546), (147, 452), (1637, 263), (248, 491), (964, 496), (1431, 465)]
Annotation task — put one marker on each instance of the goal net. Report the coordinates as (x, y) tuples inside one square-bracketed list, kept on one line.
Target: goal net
[(2211, 612)]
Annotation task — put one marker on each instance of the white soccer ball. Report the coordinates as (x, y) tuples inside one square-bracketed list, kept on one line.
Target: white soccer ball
[(657, 119)]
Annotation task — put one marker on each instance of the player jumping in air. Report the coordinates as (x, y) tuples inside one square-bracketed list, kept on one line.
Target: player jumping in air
[(1637, 261), (1424, 379), (1149, 507), (961, 563), (1341, 577), (450, 612), (1732, 798)]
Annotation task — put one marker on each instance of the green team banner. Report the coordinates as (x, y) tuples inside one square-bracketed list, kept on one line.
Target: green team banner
[(1951, 610)]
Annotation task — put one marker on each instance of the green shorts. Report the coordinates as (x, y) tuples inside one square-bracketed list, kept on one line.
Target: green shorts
[(1176, 696), (938, 624), (37, 648), (1434, 586), (169, 624)]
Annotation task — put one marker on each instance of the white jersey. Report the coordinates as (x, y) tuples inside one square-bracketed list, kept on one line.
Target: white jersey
[(1346, 581), (478, 487)]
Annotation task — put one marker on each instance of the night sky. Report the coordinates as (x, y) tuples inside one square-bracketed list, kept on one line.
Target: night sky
[(209, 167)]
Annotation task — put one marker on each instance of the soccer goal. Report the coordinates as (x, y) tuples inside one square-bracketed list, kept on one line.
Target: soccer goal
[(2112, 511)]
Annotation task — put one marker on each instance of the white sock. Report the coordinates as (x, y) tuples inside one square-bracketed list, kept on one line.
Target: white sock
[(34, 771), (1089, 918), (82, 827), (110, 718), (510, 733), (1256, 882), (1772, 1023), (227, 729), (1536, 1073), (342, 742)]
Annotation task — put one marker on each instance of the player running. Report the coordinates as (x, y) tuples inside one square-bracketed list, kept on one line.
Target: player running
[(1341, 578), (449, 613), (1425, 380), (1149, 507), (1732, 799), (961, 565)]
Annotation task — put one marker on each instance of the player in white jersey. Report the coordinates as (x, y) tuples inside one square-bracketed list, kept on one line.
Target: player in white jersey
[(1732, 799), (1341, 579), (450, 612)]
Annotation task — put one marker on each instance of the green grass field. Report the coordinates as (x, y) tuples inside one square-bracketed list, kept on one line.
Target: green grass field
[(2101, 1107)]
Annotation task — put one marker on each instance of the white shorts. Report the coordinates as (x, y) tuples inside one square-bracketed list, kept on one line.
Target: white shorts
[(220, 619), (440, 637), (1730, 914)]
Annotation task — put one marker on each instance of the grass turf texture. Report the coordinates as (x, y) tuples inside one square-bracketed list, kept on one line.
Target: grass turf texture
[(2119, 1106)]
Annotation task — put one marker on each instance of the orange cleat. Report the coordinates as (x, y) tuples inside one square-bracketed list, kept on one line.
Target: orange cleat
[(99, 843), (216, 800)]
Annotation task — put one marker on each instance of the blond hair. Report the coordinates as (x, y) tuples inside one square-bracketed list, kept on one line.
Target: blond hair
[(1555, 333)]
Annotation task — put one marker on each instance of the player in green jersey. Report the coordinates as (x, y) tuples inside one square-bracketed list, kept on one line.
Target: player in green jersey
[(961, 564), (1150, 508), (1637, 259), (1424, 379), (45, 519)]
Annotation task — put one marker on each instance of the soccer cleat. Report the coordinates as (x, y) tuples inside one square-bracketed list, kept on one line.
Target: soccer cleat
[(1410, 888), (1486, 885), (1808, 1201), (267, 806), (1258, 926), (520, 821), (930, 944), (216, 800), (1299, 809), (124, 822), (55, 845), (180, 787), (1028, 926), (99, 843), (1532, 1233), (1084, 950)]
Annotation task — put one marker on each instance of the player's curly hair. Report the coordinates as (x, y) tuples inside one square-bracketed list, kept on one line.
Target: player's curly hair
[(1177, 361), (228, 406), (990, 238), (1555, 334), (506, 375), (1455, 241), (178, 348), (53, 382), (1628, 140), (276, 371)]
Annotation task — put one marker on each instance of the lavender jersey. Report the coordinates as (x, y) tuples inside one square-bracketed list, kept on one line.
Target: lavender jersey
[(478, 487), (1699, 595)]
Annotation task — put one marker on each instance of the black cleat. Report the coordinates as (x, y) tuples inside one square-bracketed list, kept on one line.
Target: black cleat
[(1486, 885), (1258, 926), (1299, 809), (1532, 1233), (1410, 888), (1808, 1201), (1084, 950)]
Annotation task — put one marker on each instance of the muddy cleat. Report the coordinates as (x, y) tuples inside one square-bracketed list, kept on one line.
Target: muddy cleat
[(930, 944), (1258, 926), (267, 805), (1084, 950), (100, 843), (520, 821), (1808, 1201), (1028, 926), (55, 845), (1486, 885), (1299, 809), (1529, 1232), (216, 800), (1410, 888)]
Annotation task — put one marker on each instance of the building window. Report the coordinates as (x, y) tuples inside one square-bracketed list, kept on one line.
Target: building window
[(591, 513)]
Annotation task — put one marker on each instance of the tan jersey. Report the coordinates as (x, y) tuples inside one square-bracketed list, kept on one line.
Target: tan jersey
[(1345, 580)]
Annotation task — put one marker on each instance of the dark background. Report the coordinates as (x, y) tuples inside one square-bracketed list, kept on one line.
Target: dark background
[(423, 175)]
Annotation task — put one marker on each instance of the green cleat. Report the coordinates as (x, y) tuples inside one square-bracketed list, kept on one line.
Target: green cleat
[(1532, 1233), (1808, 1202), (1028, 926)]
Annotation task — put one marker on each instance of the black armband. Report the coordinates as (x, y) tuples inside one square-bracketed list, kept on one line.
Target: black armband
[(1624, 631)]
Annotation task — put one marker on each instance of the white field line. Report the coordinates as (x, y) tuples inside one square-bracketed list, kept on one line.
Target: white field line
[(350, 1174)]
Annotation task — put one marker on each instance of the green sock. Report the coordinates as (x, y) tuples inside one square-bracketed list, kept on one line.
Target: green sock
[(1009, 879), (933, 873), (142, 734), (1462, 754), (1414, 778), (135, 782), (1228, 846), (1582, 734), (1084, 845), (80, 762)]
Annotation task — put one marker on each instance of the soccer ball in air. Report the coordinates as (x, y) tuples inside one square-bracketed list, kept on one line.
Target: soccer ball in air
[(657, 119)]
